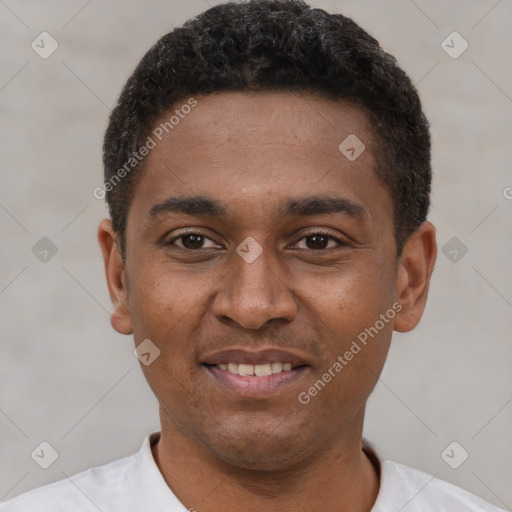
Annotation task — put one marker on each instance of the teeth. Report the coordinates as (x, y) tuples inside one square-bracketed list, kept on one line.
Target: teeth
[(276, 367), (246, 369), (260, 370)]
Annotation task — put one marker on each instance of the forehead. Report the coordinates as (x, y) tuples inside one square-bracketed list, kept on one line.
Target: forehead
[(285, 122), (253, 150)]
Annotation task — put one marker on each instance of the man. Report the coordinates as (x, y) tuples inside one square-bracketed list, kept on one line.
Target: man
[(267, 170)]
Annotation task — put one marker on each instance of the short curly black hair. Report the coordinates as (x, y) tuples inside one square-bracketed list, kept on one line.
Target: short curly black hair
[(275, 45)]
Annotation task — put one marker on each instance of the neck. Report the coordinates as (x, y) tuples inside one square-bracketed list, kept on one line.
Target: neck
[(339, 477)]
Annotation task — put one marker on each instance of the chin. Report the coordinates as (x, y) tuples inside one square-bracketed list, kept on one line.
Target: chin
[(257, 460), (257, 452)]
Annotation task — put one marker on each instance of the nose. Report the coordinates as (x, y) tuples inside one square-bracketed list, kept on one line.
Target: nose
[(254, 293)]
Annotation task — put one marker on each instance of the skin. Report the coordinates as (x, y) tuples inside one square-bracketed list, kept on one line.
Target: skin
[(219, 451)]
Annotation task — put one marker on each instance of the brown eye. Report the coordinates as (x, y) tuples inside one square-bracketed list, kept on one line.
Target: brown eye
[(317, 241), (191, 241)]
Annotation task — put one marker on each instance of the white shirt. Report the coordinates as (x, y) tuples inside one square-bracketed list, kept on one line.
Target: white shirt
[(135, 484)]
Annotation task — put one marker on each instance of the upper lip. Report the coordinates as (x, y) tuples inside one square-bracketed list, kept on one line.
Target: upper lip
[(245, 356)]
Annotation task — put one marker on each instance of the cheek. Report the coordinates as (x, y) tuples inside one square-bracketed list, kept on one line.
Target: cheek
[(347, 309), (161, 300), (351, 299), (164, 308)]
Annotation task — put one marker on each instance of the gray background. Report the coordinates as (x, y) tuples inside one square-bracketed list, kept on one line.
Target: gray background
[(67, 378)]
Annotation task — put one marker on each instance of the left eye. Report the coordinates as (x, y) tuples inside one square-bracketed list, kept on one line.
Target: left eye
[(319, 241)]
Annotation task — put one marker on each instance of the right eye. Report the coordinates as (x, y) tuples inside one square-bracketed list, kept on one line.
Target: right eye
[(191, 240)]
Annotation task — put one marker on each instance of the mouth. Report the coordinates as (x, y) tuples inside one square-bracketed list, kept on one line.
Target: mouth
[(255, 375), (258, 370)]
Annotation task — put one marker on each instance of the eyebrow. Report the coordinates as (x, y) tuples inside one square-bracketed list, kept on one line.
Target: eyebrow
[(194, 205), (317, 205), (304, 206)]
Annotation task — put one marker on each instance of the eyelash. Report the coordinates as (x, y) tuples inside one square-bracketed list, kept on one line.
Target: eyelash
[(306, 235)]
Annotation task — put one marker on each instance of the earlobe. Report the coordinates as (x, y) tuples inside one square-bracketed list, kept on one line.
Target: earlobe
[(116, 277), (413, 276)]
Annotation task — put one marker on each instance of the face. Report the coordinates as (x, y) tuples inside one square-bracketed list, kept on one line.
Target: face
[(254, 244)]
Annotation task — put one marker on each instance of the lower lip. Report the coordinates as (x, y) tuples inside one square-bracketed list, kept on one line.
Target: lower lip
[(254, 386)]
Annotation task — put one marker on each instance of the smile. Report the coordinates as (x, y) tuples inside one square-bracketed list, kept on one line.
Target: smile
[(255, 381), (260, 370)]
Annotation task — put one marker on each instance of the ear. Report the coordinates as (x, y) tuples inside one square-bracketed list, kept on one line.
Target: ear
[(413, 276), (116, 277)]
